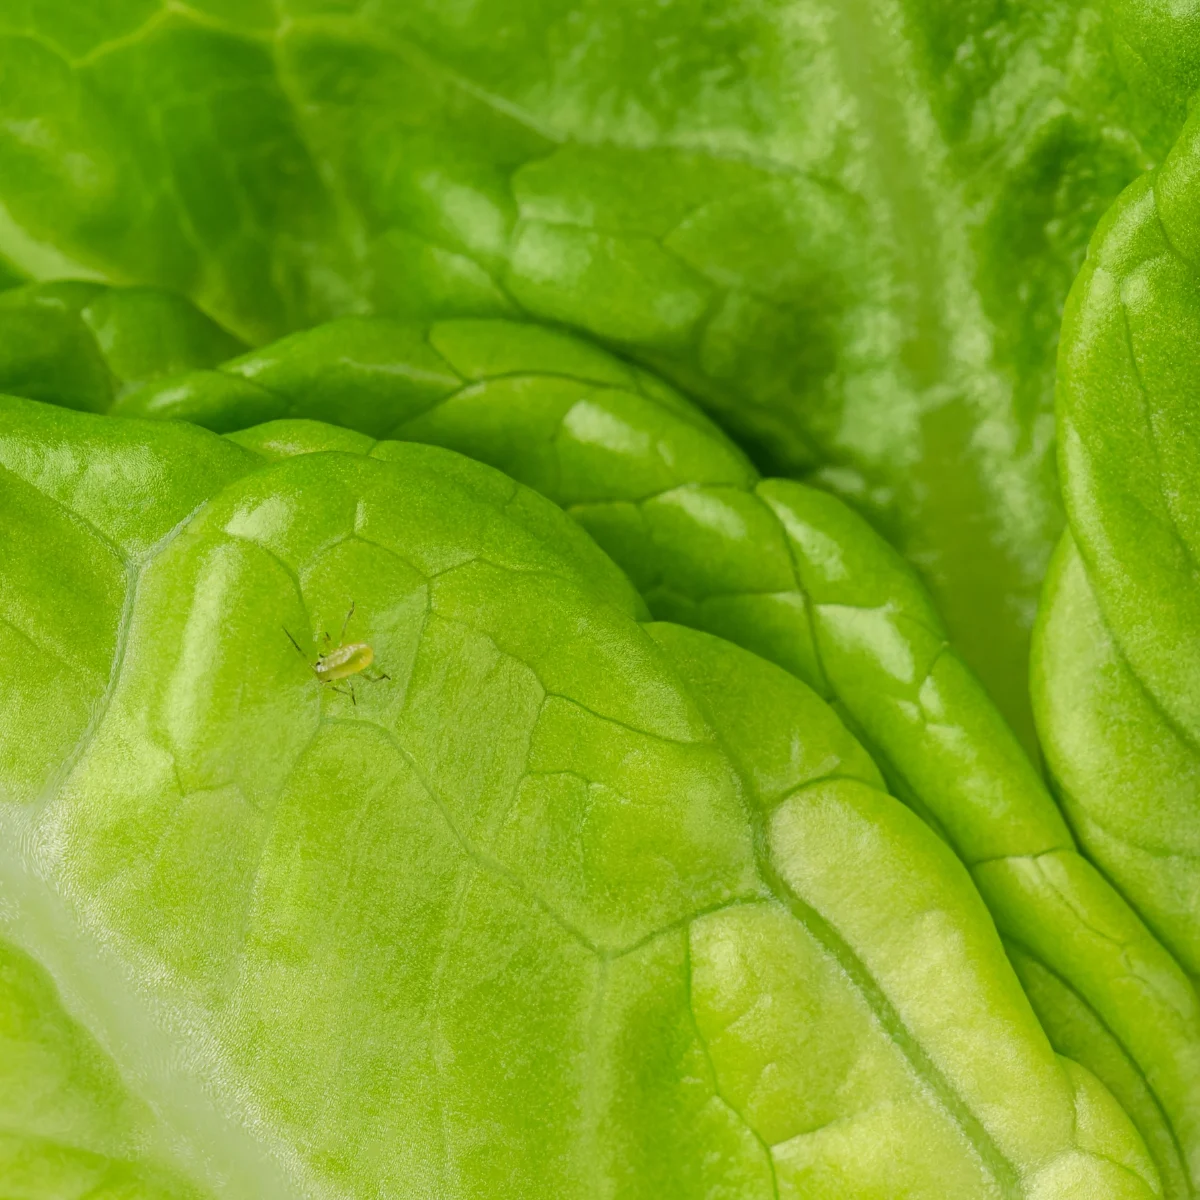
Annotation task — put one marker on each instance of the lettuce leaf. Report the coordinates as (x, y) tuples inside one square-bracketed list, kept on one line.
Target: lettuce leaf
[(1117, 658), (790, 573), (781, 569), (559, 906)]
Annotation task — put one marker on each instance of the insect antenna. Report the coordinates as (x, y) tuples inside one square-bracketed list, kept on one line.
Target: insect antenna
[(346, 624), (296, 644)]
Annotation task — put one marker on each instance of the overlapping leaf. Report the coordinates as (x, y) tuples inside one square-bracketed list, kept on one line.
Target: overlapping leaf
[(845, 228), (560, 906)]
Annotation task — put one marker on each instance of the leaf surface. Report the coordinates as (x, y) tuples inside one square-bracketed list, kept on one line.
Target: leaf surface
[(547, 905), (846, 227)]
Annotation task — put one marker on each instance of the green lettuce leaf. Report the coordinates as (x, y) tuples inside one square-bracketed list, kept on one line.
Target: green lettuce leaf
[(1118, 679), (781, 569), (846, 227), (558, 903), (1116, 661)]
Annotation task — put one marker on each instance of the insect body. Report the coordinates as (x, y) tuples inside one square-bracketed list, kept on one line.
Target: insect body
[(343, 662)]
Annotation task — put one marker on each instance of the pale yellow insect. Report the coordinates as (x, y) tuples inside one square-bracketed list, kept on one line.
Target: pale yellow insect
[(344, 661)]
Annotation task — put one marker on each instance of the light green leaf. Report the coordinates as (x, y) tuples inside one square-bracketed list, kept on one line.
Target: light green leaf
[(541, 909), (1118, 681), (789, 572)]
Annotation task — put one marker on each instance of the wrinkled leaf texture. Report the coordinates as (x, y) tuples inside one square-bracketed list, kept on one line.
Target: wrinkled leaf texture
[(772, 565), (275, 912), (846, 228)]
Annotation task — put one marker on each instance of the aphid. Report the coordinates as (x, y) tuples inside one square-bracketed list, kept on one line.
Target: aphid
[(343, 661)]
